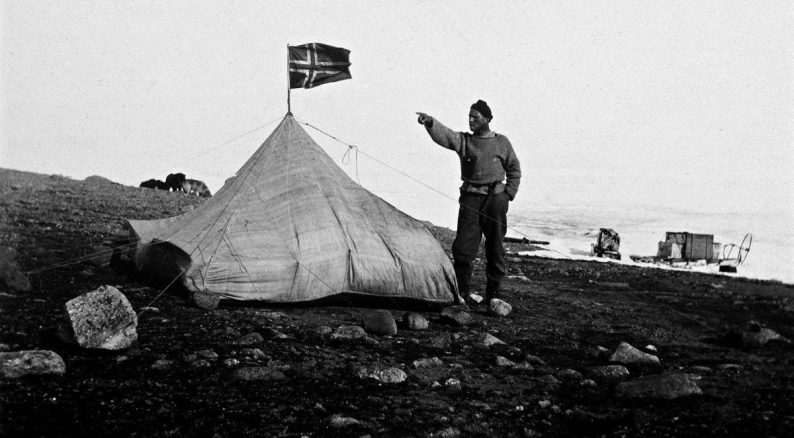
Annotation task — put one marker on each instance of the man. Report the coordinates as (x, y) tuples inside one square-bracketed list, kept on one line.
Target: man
[(486, 160)]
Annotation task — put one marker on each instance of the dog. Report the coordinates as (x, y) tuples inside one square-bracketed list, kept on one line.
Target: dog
[(197, 187), (154, 184), (175, 181)]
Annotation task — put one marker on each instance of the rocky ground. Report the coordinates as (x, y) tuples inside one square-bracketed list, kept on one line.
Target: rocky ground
[(558, 365)]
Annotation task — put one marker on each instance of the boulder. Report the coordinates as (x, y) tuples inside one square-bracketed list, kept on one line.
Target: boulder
[(30, 363), (379, 322), (626, 354), (499, 307), (660, 386), (415, 321), (102, 319)]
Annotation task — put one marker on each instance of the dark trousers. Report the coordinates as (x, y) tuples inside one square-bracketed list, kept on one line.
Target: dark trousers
[(481, 215)]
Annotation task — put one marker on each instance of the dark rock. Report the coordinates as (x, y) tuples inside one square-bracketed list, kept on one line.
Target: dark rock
[(258, 373), (249, 339), (458, 315), (379, 322), (205, 300), (415, 321)]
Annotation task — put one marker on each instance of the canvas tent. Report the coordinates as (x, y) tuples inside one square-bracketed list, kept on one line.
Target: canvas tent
[(291, 226)]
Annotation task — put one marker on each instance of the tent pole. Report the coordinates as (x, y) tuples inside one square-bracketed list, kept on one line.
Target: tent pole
[(289, 108)]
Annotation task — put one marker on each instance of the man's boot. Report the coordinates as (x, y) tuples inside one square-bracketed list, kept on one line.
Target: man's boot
[(492, 290)]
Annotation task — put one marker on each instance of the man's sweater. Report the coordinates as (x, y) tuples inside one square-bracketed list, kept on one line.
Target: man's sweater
[(483, 160)]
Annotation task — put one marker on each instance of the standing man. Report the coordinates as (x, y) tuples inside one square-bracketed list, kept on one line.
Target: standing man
[(486, 160)]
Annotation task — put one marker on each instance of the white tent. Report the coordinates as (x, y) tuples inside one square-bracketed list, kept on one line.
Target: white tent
[(291, 226)]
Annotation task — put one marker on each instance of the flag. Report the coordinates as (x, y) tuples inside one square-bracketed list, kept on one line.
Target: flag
[(315, 64)]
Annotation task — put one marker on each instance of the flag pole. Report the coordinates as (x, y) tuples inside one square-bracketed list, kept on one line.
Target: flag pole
[(289, 108)]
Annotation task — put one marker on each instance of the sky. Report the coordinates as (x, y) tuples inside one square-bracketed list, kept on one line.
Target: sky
[(608, 104)]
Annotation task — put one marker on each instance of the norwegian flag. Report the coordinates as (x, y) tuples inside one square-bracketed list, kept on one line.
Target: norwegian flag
[(315, 64)]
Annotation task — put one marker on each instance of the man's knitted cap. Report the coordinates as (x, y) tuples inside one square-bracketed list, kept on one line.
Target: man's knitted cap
[(482, 108)]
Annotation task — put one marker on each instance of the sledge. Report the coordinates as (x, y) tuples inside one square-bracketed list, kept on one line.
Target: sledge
[(682, 248)]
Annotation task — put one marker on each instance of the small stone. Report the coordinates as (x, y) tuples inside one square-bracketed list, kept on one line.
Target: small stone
[(547, 383), (729, 367), (626, 354), (702, 369), (30, 363), (338, 421), (609, 372), (230, 362), (384, 375), (569, 375), (544, 404), (452, 384), (458, 315), (258, 373), (253, 354), (200, 363), (534, 360), (348, 333), (249, 339), (449, 432), (499, 307), (598, 352), (524, 367), (428, 363), (415, 321), (272, 333), (589, 383), (207, 354), (486, 340), (442, 341), (504, 362), (162, 364), (226, 333), (379, 322)]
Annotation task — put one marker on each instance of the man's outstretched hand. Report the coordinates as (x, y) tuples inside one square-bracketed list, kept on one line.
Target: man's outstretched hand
[(424, 119)]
